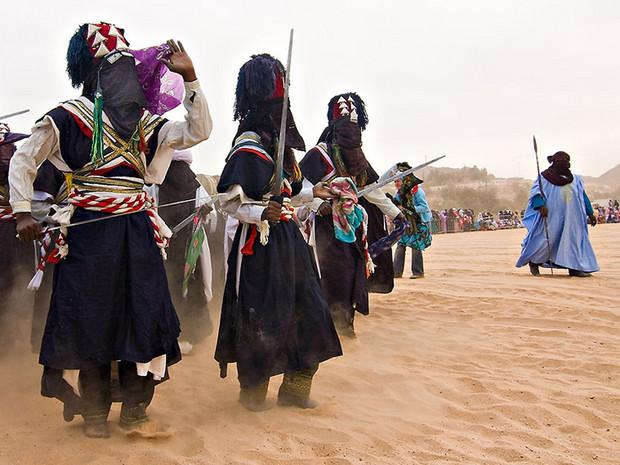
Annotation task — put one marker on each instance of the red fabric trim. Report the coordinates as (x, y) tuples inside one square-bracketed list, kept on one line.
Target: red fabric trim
[(255, 152), (85, 129), (103, 171), (248, 248), (336, 111), (328, 166), (278, 91)]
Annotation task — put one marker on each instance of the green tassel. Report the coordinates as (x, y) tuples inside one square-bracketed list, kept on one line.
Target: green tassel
[(96, 149)]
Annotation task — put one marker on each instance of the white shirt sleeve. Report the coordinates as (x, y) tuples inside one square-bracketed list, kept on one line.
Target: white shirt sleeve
[(241, 207), (387, 207), (305, 195), (179, 135), (41, 145)]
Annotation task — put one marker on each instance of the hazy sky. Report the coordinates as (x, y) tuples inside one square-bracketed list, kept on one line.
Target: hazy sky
[(472, 79)]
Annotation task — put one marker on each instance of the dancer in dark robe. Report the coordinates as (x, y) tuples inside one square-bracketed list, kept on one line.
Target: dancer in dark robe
[(16, 258), (343, 269), (181, 184), (274, 317), (110, 299)]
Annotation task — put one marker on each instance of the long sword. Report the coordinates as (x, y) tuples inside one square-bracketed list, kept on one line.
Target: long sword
[(399, 175), (10, 115), (276, 190), (542, 192)]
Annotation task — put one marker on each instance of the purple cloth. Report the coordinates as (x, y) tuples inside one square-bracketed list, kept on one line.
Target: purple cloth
[(163, 89), (386, 243), (8, 137)]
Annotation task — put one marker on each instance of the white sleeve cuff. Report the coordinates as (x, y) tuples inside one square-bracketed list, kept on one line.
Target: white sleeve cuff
[(254, 213), (192, 86), (21, 206)]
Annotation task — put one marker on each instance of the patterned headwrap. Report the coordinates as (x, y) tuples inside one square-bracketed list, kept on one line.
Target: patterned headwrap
[(348, 216), (347, 118), (89, 44), (348, 105)]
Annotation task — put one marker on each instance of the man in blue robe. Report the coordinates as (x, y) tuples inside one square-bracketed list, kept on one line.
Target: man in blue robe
[(565, 207)]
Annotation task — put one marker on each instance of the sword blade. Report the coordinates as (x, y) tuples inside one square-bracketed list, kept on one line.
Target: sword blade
[(187, 221), (10, 115), (277, 185), (395, 177)]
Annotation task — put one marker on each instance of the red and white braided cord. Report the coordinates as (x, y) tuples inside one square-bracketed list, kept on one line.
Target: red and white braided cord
[(6, 214), (53, 251), (121, 204), (113, 205)]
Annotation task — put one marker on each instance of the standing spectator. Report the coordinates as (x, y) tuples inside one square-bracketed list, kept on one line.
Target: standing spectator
[(412, 201)]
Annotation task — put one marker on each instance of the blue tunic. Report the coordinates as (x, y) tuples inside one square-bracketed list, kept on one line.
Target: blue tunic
[(422, 238), (567, 224)]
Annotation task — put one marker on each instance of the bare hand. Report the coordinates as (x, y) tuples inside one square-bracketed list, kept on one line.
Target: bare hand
[(272, 212), (544, 212), (180, 62), (322, 192), (593, 220), (28, 229)]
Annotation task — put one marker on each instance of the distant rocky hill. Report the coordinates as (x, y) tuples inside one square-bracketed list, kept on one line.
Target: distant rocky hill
[(476, 188), (611, 178)]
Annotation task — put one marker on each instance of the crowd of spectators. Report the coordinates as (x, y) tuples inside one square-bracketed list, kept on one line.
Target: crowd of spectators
[(607, 213), (461, 220)]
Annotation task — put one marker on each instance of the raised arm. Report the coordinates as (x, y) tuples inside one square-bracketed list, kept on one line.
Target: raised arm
[(197, 125), (195, 128)]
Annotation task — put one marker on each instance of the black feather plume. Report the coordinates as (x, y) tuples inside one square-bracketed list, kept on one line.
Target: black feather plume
[(79, 58), (255, 84)]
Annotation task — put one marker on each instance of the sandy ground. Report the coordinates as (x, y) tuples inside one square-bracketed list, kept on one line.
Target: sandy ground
[(479, 363)]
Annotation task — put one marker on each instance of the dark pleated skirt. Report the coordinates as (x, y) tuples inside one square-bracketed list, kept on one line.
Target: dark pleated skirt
[(110, 298), (382, 280), (280, 321), (343, 269)]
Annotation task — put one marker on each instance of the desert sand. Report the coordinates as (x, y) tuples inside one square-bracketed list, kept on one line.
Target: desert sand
[(478, 363)]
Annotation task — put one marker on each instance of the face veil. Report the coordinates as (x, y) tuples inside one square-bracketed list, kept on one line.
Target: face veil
[(123, 97)]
